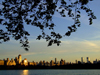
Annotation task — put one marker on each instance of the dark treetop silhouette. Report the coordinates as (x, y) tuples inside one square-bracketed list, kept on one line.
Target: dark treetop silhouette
[(39, 13)]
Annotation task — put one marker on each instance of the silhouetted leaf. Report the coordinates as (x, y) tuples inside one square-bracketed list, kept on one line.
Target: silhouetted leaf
[(50, 43), (1, 21), (26, 49), (68, 33)]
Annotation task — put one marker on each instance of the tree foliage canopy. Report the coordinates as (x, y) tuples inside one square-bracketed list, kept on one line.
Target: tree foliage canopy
[(39, 13)]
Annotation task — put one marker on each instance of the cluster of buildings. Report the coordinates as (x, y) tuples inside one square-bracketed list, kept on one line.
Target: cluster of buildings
[(18, 61), (82, 60), (87, 61)]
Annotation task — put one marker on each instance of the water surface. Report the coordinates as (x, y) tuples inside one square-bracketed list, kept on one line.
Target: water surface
[(49, 72)]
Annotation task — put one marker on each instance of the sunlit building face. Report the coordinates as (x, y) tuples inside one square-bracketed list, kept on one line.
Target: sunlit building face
[(25, 62), (20, 58)]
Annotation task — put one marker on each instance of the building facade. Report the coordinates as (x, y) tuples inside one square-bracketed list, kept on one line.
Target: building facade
[(19, 59), (1, 62)]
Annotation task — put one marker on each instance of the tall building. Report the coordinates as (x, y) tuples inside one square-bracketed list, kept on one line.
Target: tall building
[(44, 62), (24, 62), (96, 60), (8, 59), (41, 63), (55, 60), (76, 61), (51, 63), (88, 59), (19, 58), (82, 60), (64, 62)]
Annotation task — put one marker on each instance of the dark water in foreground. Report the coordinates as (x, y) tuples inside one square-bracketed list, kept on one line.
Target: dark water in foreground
[(49, 72)]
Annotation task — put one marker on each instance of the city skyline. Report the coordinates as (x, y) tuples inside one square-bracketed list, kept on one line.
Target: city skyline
[(19, 60), (19, 63), (85, 42)]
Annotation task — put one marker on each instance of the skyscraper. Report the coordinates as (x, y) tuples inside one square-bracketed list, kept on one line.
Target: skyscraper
[(20, 58), (55, 60), (88, 59), (82, 59), (76, 61)]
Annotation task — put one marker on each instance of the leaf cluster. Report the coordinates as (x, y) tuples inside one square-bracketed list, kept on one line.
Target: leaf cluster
[(39, 13)]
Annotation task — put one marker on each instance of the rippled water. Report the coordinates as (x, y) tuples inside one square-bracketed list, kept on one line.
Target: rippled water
[(49, 72)]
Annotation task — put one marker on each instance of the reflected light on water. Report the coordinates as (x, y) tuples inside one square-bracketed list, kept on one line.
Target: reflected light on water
[(25, 72)]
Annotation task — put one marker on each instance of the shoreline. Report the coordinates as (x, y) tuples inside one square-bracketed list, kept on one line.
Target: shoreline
[(62, 67)]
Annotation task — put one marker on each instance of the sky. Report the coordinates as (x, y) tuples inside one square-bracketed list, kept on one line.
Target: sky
[(85, 42)]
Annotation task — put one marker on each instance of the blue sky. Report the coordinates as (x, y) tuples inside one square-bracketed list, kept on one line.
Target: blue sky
[(85, 42)]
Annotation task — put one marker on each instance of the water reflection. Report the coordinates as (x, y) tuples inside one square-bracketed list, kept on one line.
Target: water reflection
[(25, 72)]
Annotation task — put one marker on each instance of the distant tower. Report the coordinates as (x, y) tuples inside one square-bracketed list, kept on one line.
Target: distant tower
[(44, 61), (25, 62), (96, 60), (76, 61), (64, 62), (51, 63), (82, 59), (88, 59), (55, 60), (7, 59), (20, 58)]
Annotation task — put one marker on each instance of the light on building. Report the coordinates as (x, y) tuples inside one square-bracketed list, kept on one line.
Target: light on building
[(25, 61)]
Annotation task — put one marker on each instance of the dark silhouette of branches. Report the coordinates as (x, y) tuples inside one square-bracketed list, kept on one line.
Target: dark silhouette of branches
[(39, 13)]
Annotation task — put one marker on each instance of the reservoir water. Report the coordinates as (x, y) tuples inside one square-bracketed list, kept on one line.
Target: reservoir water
[(49, 72)]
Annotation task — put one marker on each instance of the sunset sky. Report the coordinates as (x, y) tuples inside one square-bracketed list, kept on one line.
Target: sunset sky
[(85, 42)]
